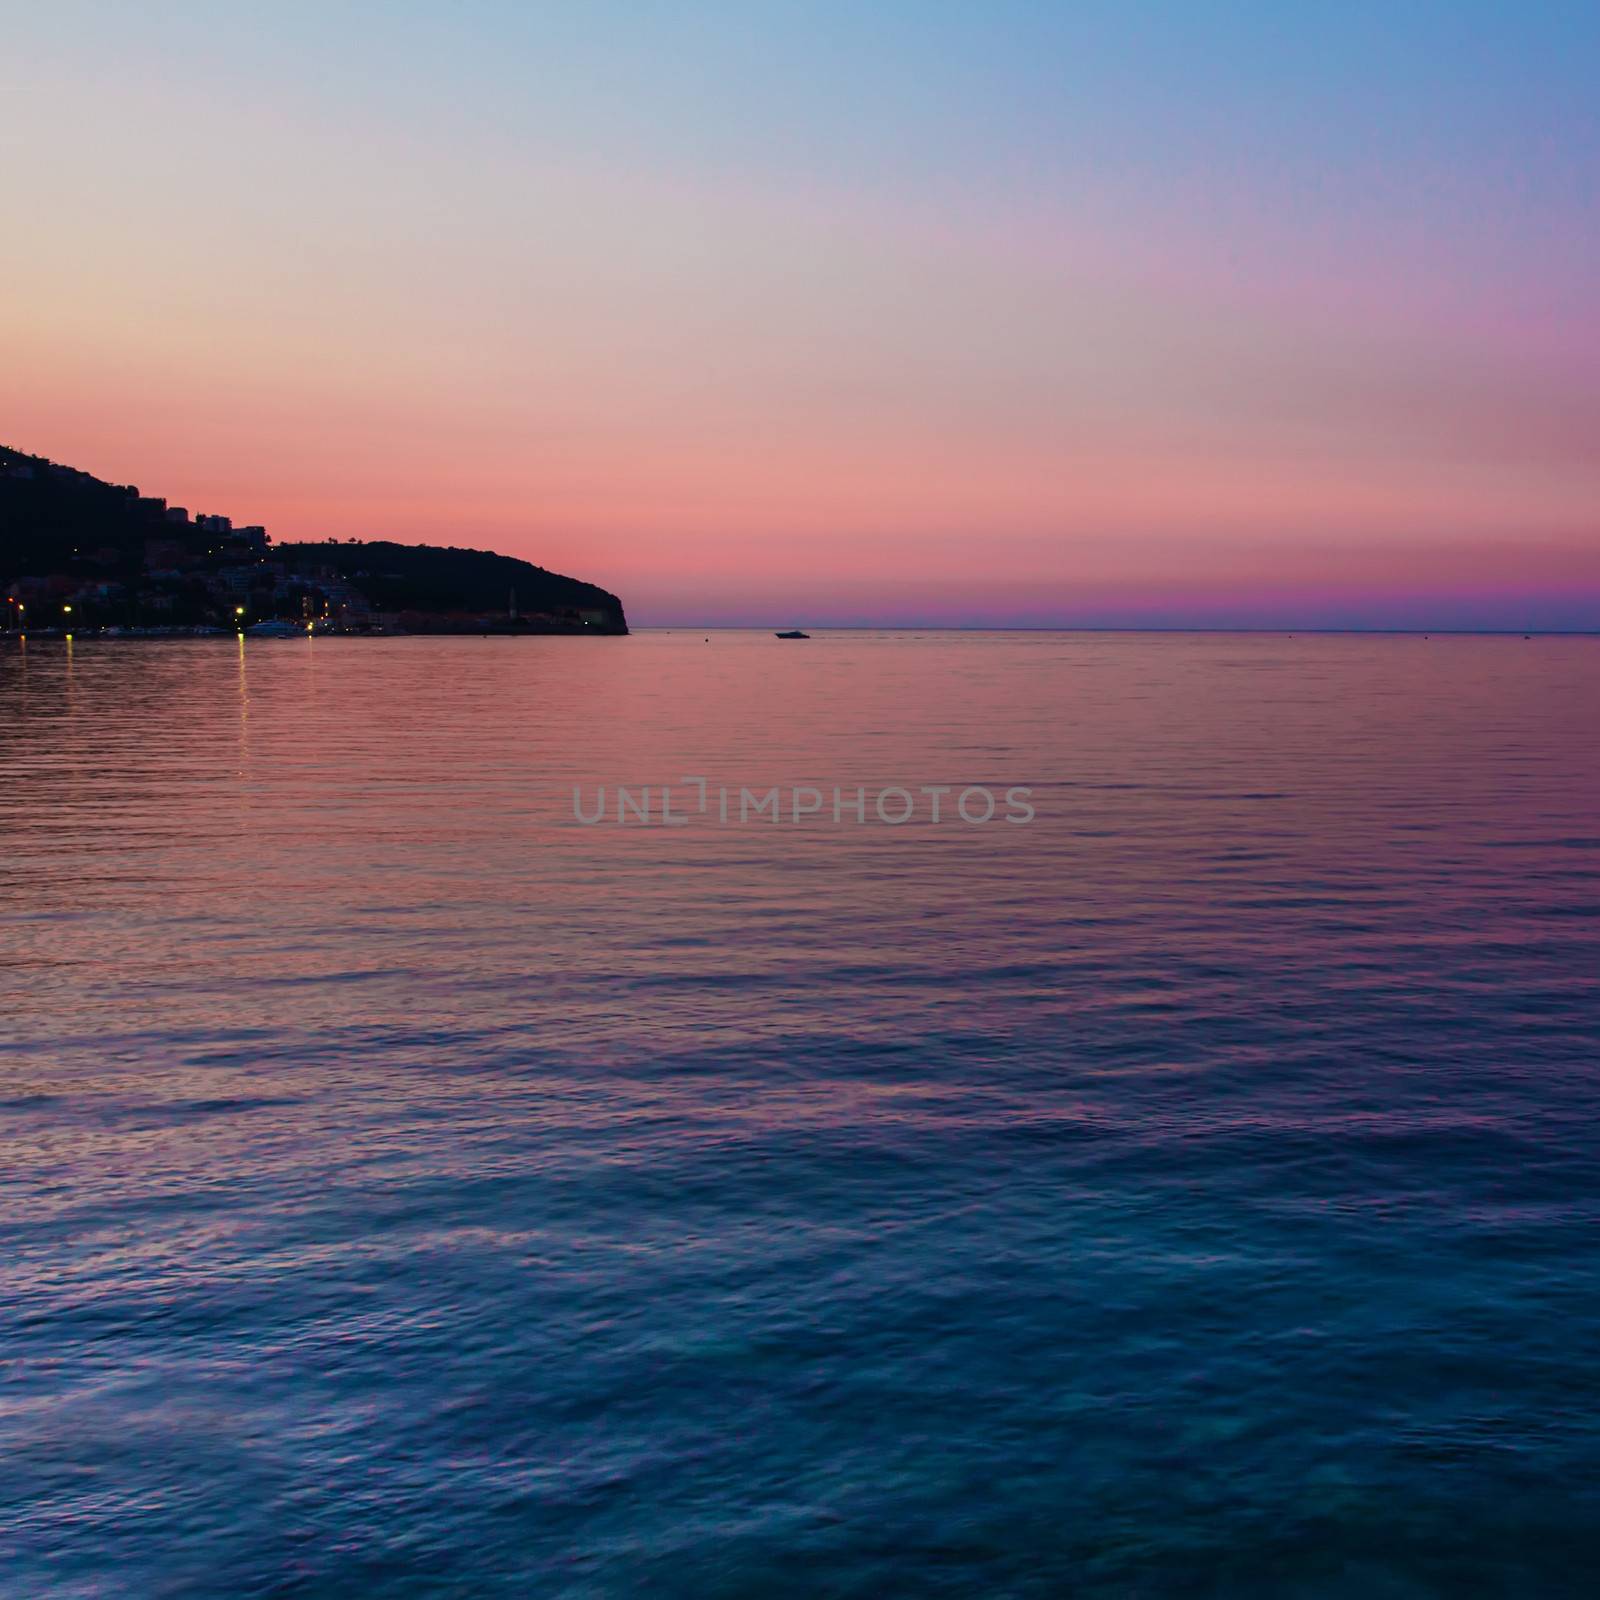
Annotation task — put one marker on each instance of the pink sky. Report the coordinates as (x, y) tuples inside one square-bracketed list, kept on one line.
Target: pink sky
[(830, 392)]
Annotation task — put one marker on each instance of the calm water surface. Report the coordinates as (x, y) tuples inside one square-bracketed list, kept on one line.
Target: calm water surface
[(409, 1191)]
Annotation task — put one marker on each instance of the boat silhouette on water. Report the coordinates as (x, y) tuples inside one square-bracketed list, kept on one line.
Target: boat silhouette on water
[(793, 633)]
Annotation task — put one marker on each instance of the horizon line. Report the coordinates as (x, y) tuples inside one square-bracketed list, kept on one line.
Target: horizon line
[(973, 627)]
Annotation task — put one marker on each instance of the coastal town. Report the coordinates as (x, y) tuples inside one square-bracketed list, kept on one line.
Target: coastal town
[(79, 555)]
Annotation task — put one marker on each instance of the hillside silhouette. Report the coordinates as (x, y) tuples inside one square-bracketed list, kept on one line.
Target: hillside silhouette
[(75, 549)]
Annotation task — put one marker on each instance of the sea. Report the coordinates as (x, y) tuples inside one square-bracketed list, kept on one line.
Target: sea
[(429, 1170)]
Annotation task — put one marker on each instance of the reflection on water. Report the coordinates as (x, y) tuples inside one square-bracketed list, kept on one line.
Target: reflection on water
[(411, 1191)]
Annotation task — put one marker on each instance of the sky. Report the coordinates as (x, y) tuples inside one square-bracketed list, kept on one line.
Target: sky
[(1137, 313)]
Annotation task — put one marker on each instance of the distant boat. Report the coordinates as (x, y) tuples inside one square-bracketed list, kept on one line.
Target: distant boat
[(793, 633)]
